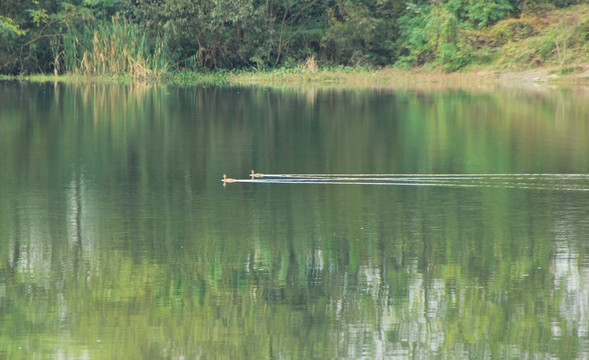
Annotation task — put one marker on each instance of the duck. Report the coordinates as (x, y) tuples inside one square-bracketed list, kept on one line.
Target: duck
[(226, 179), (255, 175)]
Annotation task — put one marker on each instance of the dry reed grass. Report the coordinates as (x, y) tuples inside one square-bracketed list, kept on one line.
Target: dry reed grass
[(119, 48)]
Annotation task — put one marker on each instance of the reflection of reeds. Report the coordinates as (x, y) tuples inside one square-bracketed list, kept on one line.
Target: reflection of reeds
[(117, 48)]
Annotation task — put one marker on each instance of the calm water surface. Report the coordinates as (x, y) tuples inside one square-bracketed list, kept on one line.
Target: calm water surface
[(118, 240)]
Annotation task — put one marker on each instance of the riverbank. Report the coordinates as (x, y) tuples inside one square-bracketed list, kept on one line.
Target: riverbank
[(348, 77), (533, 42), (392, 77)]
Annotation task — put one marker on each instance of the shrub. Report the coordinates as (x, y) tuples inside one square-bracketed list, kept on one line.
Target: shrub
[(512, 30)]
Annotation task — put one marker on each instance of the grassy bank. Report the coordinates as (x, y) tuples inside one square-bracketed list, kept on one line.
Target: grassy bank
[(349, 77), (399, 77)]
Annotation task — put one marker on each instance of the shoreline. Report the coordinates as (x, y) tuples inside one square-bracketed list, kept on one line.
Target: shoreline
[(359, 78)]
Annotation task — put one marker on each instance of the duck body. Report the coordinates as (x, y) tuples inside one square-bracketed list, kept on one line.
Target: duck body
[(255, 175), (227, 180)]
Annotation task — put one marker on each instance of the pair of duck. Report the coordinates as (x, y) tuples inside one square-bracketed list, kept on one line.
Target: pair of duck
[(230, 180)]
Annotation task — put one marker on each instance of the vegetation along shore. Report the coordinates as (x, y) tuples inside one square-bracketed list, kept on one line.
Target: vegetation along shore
[(297, 42)]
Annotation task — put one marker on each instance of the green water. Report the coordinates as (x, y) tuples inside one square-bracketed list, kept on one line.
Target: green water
[(119, 241)]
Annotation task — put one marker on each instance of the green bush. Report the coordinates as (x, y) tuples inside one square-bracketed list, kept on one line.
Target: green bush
[(544, 47), (512, 30), (486, 12)]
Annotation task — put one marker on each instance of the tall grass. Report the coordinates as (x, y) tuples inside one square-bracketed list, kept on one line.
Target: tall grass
[(116, 48)]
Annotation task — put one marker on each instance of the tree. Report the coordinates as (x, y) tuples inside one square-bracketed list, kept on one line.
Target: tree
[(485, 12), (363, 32)]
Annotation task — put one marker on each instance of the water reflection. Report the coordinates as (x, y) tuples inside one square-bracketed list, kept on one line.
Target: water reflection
[(117, 239)]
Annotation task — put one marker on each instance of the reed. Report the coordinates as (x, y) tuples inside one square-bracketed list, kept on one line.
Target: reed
[(118, 48)]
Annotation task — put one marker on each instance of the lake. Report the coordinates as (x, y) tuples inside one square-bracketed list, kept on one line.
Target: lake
[(118, 239)]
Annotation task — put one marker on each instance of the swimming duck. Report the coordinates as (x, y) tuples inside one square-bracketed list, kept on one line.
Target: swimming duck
[(255, 175), (226, 179)]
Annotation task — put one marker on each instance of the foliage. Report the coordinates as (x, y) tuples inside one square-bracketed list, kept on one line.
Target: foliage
[(413, 37), (8, 28), (512, 30), (485, 12), (361, 33), (433, 40), (562, 40), (147, 38)]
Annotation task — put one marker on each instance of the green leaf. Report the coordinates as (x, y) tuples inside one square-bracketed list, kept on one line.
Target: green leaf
[(39, 16), (8, 28)]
